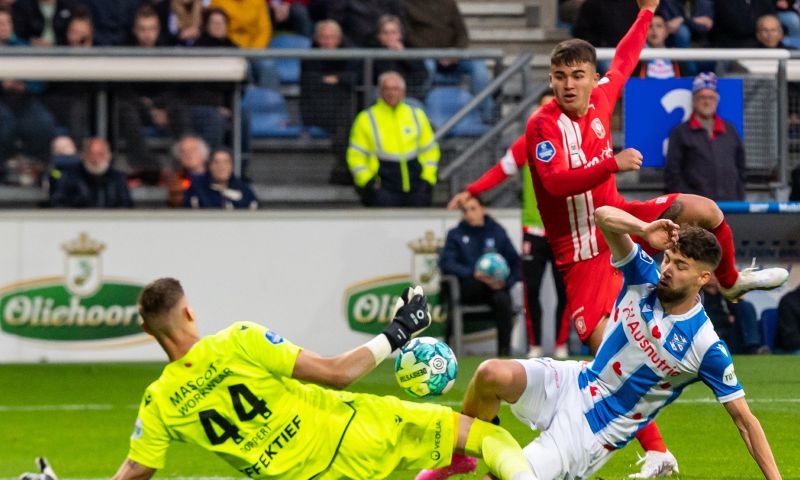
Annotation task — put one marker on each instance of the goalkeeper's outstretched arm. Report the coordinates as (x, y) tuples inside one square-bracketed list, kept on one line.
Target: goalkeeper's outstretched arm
[(130, 470), (410, 319)]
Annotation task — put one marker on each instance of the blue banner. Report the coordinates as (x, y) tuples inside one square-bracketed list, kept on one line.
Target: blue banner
[(759, 207), (654, 107)]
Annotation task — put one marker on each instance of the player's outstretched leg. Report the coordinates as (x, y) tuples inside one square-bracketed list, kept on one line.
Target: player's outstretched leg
[(701, 211), (493, 381)]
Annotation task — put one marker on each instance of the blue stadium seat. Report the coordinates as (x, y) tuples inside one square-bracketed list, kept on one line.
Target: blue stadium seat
[(316, 132), (269, 116), (769, 327), (289, 68), (443, 102)]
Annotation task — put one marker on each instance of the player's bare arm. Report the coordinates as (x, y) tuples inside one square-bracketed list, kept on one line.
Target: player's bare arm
[(753, 436), (130, 470), (458, 200), (617, 226), (411, 318)]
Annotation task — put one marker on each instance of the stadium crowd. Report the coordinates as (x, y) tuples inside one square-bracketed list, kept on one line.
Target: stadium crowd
[(33, 114)]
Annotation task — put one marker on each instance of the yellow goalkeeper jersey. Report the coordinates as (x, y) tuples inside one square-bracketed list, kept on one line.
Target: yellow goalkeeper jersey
[(233, 394)]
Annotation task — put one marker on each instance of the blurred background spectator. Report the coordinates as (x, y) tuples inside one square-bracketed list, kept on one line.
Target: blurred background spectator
[(735, 323), (683, 28), (249, 25), (788, 13), (93, 183), (218, 187), (477, 234), (788, 331), (215, 29), (657, 67), (603, 23), (291, 16), (440, 24), (769, 33), (23, 116), (358, 19), (568, 11), (735, 22), (112, 20), (392, 154), (184, 22), (705, 155), (190, 154), (328, 99), (157, 106), (390, 36), (70, 101), (43, 23)]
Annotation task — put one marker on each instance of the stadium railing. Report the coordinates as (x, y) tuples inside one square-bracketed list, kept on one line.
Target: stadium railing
[(116, 64)]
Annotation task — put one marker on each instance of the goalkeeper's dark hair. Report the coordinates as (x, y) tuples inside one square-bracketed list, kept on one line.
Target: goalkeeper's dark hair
[(573, 52), (699, 244), (159, 297)]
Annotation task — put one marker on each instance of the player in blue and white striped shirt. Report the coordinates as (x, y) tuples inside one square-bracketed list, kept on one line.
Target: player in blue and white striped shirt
[(657, 341)]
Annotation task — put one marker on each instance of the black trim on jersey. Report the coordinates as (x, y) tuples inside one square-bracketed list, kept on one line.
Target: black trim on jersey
[(338, 445)]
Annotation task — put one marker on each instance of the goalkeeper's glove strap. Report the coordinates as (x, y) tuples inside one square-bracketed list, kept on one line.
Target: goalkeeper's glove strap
[(397, 335)]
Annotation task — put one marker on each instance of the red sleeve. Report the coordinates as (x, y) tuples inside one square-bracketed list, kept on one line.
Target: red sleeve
[(546, 152), (513, 160), (626, 56)]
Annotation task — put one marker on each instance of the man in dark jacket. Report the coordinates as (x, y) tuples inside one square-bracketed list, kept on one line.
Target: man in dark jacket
[(705, 155), (735, 22), (93, 183), (359, 18), (476, 234), (43, 22), (788, 335), (328, 99)]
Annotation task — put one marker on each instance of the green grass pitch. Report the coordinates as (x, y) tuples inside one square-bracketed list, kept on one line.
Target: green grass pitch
[(81, 415)]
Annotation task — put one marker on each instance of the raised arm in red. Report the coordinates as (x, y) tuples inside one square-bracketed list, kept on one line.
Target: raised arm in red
[(626, 56)]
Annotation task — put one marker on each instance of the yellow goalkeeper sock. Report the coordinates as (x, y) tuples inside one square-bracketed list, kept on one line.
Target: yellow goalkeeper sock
[(499, 450)]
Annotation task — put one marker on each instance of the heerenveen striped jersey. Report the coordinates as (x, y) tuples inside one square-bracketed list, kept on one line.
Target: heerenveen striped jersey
[(647, 357)]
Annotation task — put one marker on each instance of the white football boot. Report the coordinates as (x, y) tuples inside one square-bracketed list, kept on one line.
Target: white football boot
[(656, 464), (752, 278)]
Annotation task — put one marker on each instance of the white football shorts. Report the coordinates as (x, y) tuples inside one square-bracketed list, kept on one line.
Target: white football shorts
[(553, 403)]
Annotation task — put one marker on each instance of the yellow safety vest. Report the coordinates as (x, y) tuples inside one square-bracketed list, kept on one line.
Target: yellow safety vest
[(394, 144)]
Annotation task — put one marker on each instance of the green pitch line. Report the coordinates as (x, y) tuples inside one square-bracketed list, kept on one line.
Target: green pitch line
[(81, 415)]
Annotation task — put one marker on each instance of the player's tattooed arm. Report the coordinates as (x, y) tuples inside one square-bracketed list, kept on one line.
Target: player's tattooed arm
[(131, 470)]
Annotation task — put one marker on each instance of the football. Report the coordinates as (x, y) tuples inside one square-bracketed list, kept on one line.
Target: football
[(494, 265), (425, 367)]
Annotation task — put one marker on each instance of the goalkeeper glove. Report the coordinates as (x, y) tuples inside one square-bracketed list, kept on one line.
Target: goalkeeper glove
[(47, 472), (410, 319)]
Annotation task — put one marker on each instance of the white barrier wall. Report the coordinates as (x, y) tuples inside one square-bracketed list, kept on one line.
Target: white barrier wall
[(286, 270)]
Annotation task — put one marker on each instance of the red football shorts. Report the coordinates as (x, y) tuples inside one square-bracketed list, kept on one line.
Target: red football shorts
[(592, 288)]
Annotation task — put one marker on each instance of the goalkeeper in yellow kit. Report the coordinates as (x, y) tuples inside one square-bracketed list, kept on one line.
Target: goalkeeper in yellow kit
[(242, 394)]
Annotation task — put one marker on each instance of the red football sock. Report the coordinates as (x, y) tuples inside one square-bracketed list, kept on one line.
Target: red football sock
[(726, 271), (650, 438)]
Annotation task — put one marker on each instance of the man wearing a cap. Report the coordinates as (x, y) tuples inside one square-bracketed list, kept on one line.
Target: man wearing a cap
[(705, 155)]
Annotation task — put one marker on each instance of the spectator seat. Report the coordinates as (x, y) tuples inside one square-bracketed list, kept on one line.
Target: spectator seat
[(269, 117), (443, 102)]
